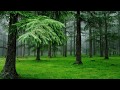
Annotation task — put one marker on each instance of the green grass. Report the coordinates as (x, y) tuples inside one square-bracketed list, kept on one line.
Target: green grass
[(63, 68)]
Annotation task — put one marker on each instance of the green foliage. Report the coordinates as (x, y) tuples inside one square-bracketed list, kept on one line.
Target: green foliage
[(41, 29)]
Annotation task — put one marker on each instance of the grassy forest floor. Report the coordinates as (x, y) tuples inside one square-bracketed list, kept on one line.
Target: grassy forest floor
[(63, 68)]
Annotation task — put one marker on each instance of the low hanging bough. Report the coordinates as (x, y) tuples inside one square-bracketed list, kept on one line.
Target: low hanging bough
[(41, 29)]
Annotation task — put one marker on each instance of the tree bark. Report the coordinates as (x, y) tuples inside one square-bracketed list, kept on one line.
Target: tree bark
[(54, 50), (9, 69), (38, 52), (101, 41), (3, 49), (63, 49), (49, 50), (24, 46), (119, 33), (106, 38), (71, 45), (78, 40), (90, 43), (74, 38), (65, 46), (94, 47), (28, 49), (94, 43)]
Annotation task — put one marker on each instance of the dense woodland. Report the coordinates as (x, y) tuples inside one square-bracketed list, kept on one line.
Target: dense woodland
[(57, 33)]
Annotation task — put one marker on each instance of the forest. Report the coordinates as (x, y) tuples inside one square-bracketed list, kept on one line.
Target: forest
[(59, 44)]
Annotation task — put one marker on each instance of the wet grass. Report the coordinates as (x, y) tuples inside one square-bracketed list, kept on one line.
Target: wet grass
[(63, 68)]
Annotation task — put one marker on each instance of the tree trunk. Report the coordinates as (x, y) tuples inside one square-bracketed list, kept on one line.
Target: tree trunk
[(63, 50), (54, 47), (23, 49), (119, 33), (65, 46), (3, 50), (35, 52), (78, 40), (49, 50), (71, 46), (17, 54), (23, 46), (9, 70), (41, 52), (101, 41), (74, 38), (106, 38), (38, 52), (90, 43), (94, 46), (28, 49)]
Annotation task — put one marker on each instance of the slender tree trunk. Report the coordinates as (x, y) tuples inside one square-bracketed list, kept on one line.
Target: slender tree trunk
[(9, 69), (65, 46), (78, 40), (28, 50), (94, 43), (90, 43), (119, 43), (101, 41), (63, 50), (71, 46), (119, 33), (38, 52), (35, 52), (21, 44), (53, 50), (24, 46), (41, 52), (74, 38), (3, 50), (49, 50), (106, 38), (86, 51), (23, 49), (94, 46)]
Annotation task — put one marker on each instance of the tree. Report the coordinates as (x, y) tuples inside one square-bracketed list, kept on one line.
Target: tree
[(78, 39), (38, 52), (41, 29), (119, 33), (50, 50), (90, 42), (74, 36), (101, 37), (9, 70), (106, 36), (65, 44)]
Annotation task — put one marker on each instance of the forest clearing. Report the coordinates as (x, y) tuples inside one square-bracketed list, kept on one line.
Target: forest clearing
[(59, 44)]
